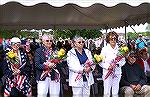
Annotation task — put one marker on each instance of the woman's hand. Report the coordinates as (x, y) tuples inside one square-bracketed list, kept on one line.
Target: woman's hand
[(110, 67), (87, 69), (16, 71), (51, 65)]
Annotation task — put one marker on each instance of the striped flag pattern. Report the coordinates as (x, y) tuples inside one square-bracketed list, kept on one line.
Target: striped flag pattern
[(21, 83)]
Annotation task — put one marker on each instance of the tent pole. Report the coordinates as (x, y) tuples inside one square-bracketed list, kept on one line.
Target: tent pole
[(105, 35), (125, 31), (106, 31)]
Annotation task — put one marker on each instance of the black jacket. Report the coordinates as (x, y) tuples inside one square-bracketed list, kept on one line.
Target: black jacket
[(132, 74)]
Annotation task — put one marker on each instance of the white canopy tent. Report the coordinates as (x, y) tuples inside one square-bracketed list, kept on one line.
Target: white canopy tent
[(62, 14)]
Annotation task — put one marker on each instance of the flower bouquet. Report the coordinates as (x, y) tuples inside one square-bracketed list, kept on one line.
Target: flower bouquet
[(87, 64), (59, 57), (13, 60), (123, 50), (56, 58)]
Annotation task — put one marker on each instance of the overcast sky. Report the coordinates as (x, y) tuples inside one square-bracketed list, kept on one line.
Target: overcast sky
[(140, 28)]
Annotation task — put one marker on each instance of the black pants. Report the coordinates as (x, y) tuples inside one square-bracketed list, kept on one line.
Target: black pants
[(16, 93), (1, 89), (148, 80)]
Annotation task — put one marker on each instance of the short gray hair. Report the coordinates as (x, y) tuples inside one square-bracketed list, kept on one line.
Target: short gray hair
[(75, 38), (47, 36)]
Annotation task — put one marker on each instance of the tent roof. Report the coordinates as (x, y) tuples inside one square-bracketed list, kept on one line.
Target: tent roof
[(82, 3), (14, 15)]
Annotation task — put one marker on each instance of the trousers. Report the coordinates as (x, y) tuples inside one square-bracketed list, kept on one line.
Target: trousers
[(111, 83), (43, 87), (83, 91)]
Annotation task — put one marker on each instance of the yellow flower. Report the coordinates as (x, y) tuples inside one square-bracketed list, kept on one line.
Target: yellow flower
[(11, 54), (61, 53), (62, 50), (98, 57), (125, 49)]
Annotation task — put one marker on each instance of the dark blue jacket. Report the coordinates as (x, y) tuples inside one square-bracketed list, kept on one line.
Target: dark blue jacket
[(40, 58), (133, 74)]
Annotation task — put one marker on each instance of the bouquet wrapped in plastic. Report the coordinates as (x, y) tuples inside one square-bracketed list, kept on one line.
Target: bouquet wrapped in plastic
[(55, 59), (123, 50), (13, 60), (88, 63), (59, 57)]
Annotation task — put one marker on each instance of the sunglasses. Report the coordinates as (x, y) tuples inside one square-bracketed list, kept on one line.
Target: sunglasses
[(49, 41), (144, 53), (81, 42), (113, 39), (15, 43)]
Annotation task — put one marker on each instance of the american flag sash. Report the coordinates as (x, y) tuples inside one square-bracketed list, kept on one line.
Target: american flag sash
[(21, 83)]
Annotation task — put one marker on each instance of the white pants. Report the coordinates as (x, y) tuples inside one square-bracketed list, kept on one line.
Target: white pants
[(111, 83), (47, 85), (81, 91)]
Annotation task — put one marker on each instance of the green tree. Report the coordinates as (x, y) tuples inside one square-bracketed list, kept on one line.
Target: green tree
[(148, 28), (132, 35), (86, 33), (7, 33)]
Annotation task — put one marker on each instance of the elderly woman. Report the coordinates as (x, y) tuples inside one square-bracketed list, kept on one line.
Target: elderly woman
[(19, 71), (109, 52), (47, 74), (81, 66)]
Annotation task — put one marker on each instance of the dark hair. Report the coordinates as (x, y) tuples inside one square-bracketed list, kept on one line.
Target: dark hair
[(142, 51), (111, 34)]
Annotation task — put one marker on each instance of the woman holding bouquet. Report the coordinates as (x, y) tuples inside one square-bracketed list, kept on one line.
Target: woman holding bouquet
[(81, 66), (18, 73), (47, 74), (109, 64)]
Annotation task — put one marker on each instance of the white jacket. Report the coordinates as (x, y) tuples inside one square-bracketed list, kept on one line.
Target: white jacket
[(109, 55), (75, 67)]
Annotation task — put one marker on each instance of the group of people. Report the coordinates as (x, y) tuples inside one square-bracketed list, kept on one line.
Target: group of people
[(129, 74)]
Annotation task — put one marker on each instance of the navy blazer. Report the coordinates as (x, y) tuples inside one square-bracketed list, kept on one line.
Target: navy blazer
[(40, 58)]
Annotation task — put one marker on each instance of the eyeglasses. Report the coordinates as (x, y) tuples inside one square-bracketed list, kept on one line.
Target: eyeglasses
[(81, 42), (132, 57), (113, 39), (15, 43), (145, 53), (49, 41)]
